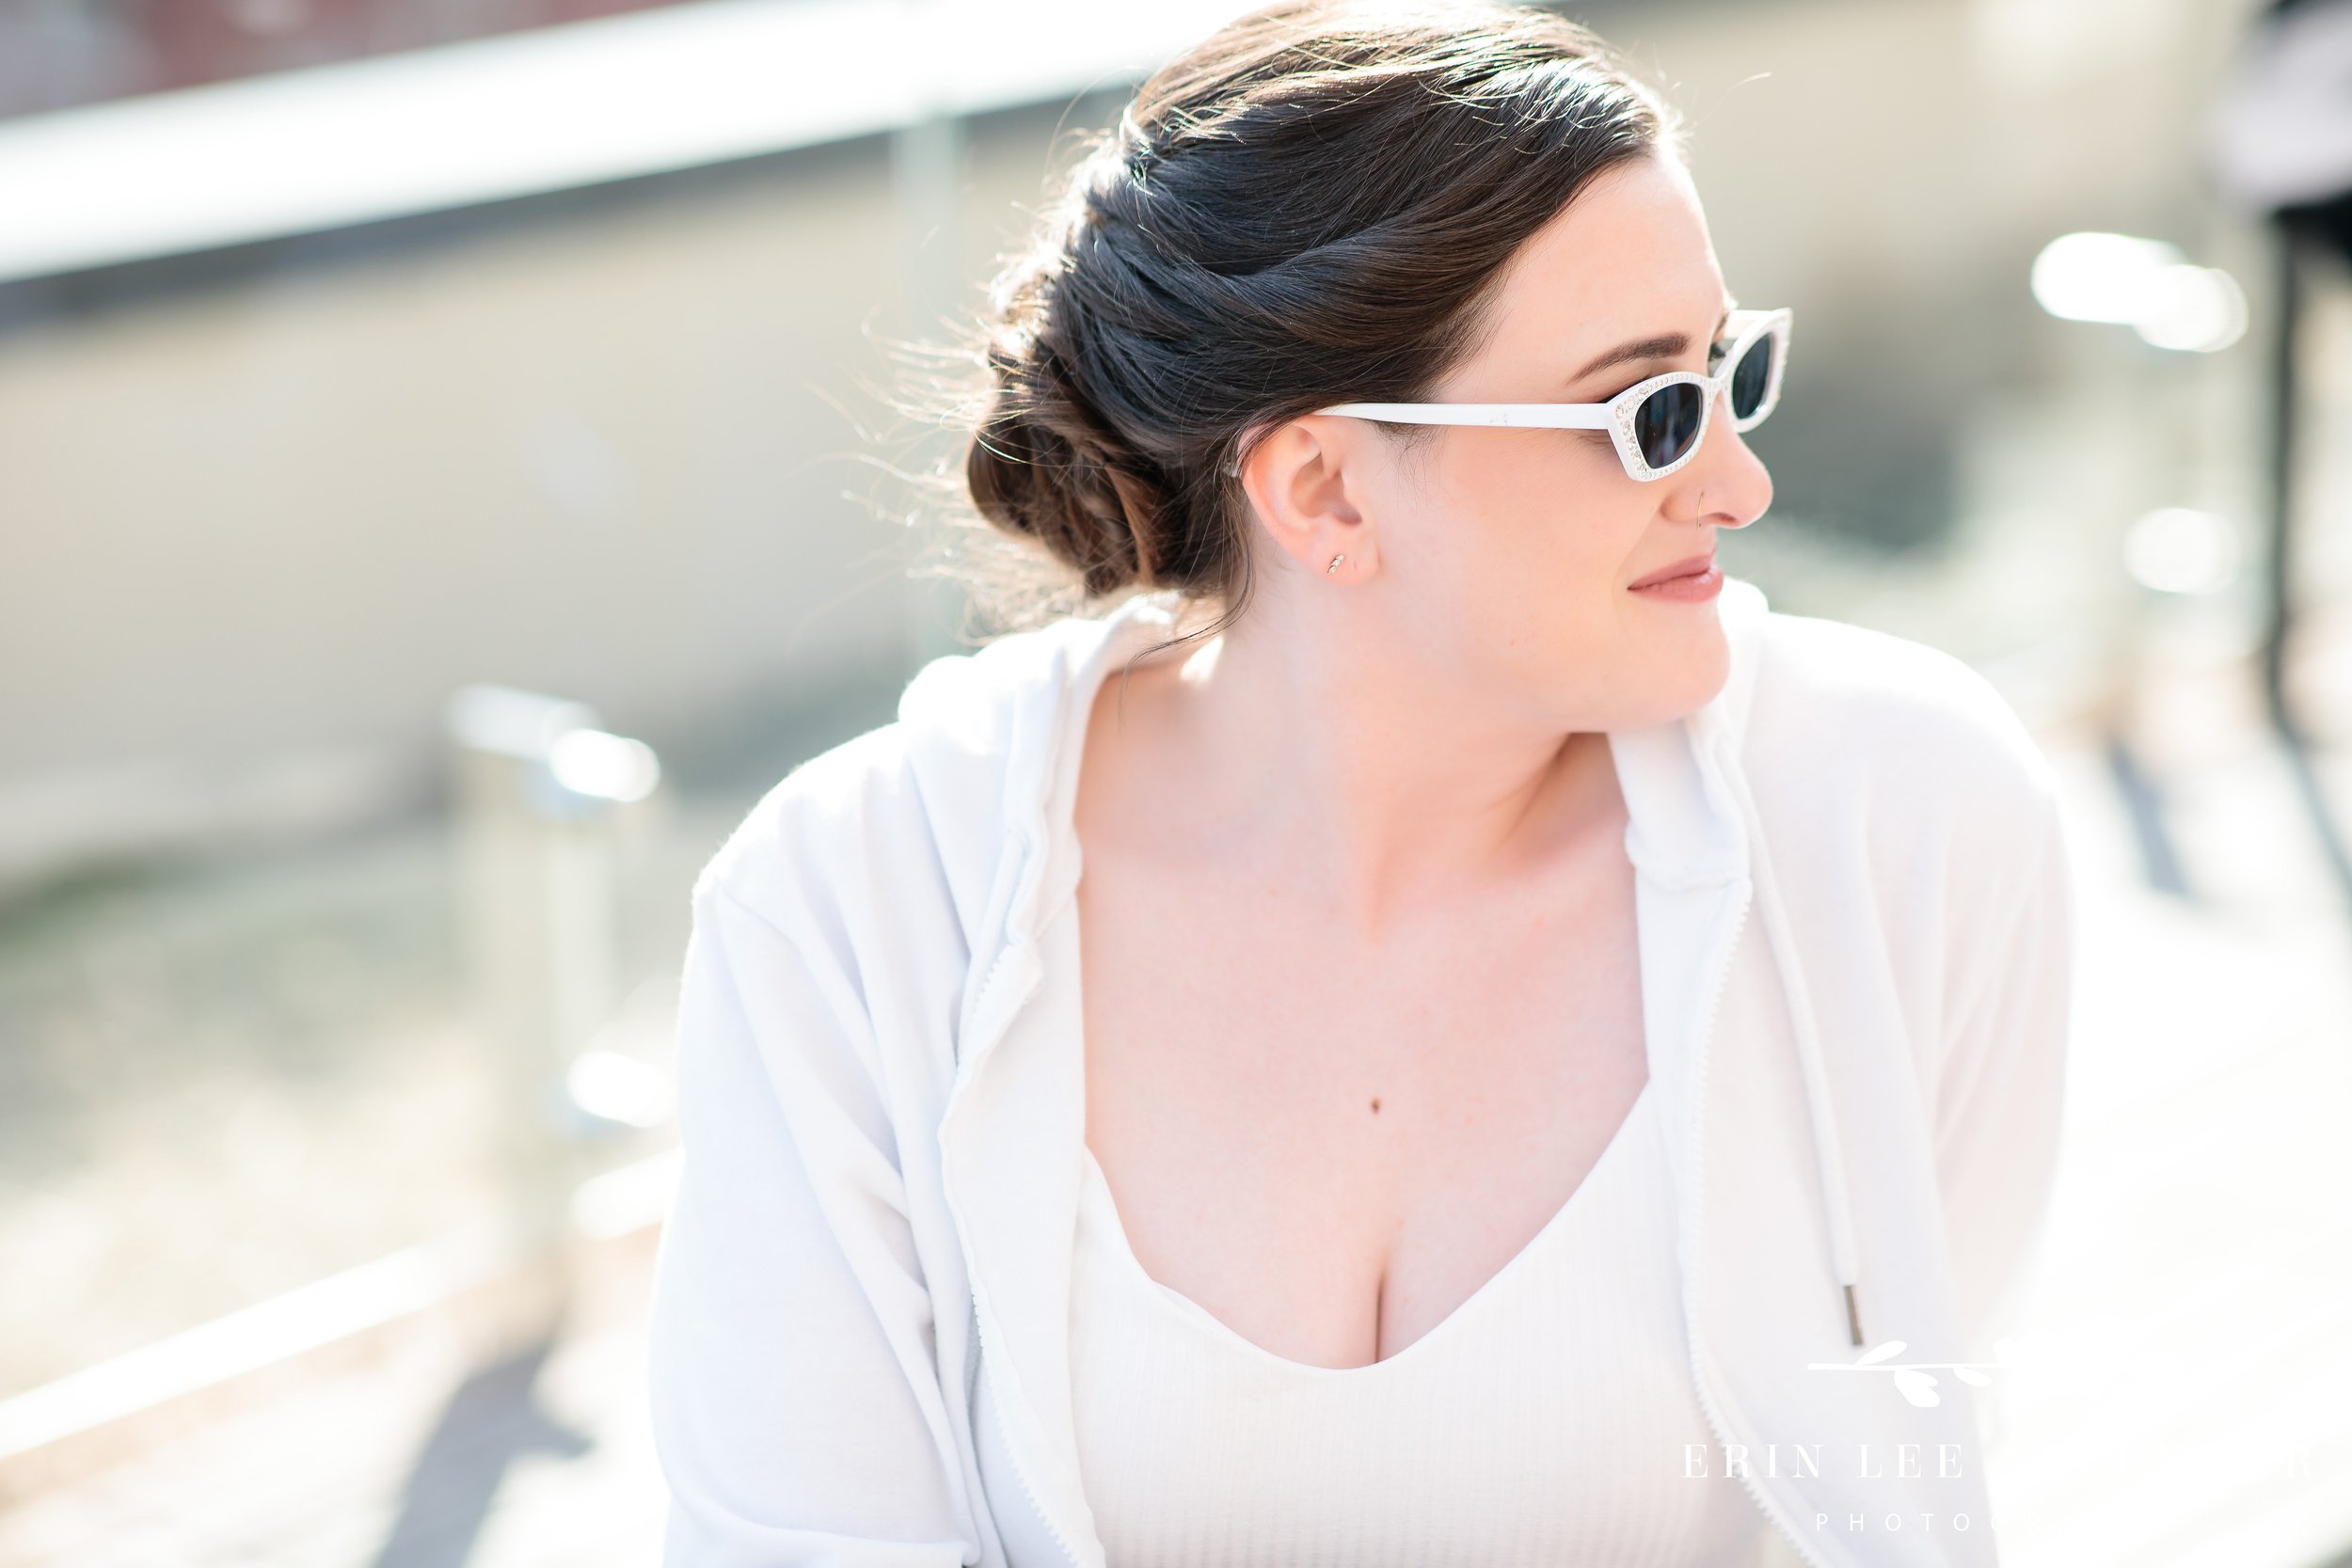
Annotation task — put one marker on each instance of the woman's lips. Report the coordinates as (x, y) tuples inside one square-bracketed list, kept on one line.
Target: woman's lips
[(1689, 564), (1688, 585)]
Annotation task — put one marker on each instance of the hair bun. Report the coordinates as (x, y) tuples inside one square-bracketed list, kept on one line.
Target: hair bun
[(1044, 463)]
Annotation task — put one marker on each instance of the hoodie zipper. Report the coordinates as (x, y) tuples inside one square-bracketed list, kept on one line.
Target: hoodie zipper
[(982, 1314), (1020, 1473), (1698, 1164)]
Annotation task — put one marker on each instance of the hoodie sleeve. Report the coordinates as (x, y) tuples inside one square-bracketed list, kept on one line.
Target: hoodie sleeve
[(2001, 1090), (795, 1399)]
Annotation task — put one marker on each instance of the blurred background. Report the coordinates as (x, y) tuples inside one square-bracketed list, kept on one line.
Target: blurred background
[(449, 471)]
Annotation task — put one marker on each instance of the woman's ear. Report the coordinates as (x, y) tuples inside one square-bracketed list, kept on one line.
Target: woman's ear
[(1300, 481)]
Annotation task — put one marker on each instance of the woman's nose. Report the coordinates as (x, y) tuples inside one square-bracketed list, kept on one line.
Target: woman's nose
[(1727, 483)]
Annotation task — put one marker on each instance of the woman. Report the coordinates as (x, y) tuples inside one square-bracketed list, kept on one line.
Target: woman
[(1475, 1042)]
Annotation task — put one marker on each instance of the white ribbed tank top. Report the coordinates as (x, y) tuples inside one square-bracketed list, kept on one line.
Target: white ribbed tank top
[(1544, 1421)]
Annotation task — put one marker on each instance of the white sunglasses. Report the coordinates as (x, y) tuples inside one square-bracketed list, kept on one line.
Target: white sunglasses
[(1657, 423)]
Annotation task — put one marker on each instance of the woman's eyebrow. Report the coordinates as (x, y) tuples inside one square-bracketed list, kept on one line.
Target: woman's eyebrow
[(1666, 345)]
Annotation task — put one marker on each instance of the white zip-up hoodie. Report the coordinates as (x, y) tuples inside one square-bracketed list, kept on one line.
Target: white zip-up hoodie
[(1855, 916)]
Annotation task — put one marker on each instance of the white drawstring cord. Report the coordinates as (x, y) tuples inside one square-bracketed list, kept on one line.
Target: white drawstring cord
[(1828, 1149)]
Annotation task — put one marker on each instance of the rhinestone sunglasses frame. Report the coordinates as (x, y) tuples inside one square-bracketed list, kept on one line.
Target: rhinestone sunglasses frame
[(1616, 416)]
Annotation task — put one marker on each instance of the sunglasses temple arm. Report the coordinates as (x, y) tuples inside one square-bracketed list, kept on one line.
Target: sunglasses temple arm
[(1529, 416)]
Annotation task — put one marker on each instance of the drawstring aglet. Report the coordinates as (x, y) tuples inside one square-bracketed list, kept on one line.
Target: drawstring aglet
[(1853, 1315)]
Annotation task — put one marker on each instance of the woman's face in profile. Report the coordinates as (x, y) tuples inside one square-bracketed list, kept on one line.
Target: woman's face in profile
[(1519, 546)]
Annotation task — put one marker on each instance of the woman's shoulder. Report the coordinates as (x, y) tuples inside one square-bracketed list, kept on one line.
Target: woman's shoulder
[(1878, 710), (925, 805), (822, 814), (1906, 756)]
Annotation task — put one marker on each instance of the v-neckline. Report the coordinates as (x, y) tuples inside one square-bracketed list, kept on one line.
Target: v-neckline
[(1611, 1157)]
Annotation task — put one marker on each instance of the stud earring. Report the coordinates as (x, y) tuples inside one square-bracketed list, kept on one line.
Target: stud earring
[(1335, 564)]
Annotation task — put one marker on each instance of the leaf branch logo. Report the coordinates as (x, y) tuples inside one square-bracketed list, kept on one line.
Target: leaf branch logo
[(1914, 1380)]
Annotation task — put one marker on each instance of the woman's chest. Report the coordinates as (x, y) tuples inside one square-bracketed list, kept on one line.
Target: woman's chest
[(1552, 1417), (1333, 1148)]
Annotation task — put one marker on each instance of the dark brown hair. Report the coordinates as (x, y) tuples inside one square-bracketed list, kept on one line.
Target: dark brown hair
[(1308, 207)]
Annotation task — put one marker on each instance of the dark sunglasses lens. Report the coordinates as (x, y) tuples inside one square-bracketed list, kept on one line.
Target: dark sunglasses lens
[(1667, 422), (1753, 376)]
